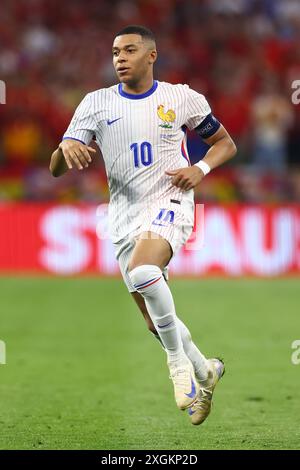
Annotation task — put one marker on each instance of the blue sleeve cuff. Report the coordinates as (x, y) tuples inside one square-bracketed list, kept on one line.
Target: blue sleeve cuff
[(73, 138)]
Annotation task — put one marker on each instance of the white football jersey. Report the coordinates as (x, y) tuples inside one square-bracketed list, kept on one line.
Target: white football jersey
[(140, 137)]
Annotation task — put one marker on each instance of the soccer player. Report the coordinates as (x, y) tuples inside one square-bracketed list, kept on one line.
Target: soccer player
[(140, 126)]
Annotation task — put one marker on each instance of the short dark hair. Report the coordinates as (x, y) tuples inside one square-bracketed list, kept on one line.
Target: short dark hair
[(137, 29)]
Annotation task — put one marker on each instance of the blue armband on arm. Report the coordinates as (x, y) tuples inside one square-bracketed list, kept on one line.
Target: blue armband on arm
[(208, 126)]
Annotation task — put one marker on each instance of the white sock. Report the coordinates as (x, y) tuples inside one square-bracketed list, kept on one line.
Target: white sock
[(149, 282), (198, 360)]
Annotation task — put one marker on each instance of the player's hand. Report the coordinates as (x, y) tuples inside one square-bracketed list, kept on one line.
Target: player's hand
[(76, 153), (186, 178)]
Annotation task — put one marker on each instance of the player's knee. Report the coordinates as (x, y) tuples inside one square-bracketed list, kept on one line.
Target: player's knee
[(144, 276)]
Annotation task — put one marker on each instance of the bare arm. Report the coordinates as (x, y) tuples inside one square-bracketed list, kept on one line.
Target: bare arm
[(70, 152), (222, 148)]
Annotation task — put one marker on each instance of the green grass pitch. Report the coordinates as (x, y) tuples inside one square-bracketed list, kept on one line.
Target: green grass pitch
[(83, 372)]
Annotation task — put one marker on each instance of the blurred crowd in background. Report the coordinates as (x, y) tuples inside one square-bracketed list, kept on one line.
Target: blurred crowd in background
[(243, 55)]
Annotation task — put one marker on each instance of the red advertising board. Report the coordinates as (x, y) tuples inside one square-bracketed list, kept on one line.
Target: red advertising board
[(72, 239)]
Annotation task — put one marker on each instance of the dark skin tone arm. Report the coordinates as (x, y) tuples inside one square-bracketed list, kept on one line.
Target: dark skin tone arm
[(222, 148)]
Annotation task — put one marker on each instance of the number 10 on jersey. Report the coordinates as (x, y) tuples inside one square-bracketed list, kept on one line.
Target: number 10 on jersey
[(142, 154)]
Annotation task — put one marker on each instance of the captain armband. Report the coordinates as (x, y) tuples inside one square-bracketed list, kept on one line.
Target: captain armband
[(208, 126)]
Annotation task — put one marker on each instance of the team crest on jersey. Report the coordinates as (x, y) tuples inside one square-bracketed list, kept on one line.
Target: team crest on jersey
[(167, 117)]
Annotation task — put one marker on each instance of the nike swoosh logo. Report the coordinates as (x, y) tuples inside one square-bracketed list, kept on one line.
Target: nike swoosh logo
[(193, 391), (164, 326), (191, 412), (109, 122)]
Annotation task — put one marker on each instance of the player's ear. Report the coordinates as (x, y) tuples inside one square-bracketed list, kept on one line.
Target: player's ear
[(152, 56)]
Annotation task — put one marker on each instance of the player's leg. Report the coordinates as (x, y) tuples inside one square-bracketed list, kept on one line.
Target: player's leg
[(140, 301), (208, 371), (198, 360), (149, 257)]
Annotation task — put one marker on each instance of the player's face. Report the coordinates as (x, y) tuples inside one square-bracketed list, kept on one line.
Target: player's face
[(132, 57)]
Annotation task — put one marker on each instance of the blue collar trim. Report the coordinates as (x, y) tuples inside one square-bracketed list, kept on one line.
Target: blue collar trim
[(140, 96)]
